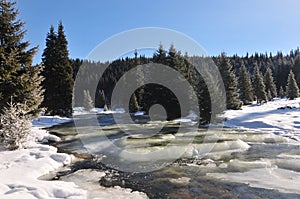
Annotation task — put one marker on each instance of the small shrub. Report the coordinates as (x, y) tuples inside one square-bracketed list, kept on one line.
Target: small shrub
[(15, 127)]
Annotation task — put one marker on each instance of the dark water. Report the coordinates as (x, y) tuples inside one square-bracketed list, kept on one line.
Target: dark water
[(184, 177)]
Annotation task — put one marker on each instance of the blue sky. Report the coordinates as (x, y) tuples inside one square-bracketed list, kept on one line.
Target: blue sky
[(233, 26)]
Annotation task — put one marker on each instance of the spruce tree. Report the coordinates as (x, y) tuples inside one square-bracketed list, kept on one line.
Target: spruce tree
[(230, 82), (87, 100), (140, 79), (133, 104), (66, 72), (50, 72), (292, 89), (58, 74), (281, 92), (33, 92), (160, 55), (245, 86), (19, 80), (259, 86), (270, 85)]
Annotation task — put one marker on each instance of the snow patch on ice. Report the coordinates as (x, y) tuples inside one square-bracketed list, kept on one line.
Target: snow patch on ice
[(82, 111), (268, 178)]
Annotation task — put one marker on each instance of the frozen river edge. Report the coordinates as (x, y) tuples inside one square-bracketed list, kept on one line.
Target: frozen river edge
[(21, 170)]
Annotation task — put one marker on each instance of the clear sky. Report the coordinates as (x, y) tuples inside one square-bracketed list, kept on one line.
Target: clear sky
[(233, 26)]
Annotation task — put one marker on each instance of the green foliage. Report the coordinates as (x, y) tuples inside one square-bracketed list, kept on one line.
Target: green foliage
[(58, 73), (19, 80), (245, 86), (270, 85), (230, 82), (292, 89), (279, 64), (259, 86)]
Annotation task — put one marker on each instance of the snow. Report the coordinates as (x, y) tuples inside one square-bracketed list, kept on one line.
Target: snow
[(48, 121), (269, 178), (82, 111), (278, 116), (88, 179), (190, 118), (139, 113), (276, 123), (21, 171)]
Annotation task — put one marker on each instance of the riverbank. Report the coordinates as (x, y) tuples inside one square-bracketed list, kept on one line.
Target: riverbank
[(278, 168), (22, 171), (270, 161), (279, 116)]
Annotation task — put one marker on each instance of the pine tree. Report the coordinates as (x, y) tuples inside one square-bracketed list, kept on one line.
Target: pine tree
[(259, 86), (140, 78), (292, 89), (160, 55), (281, 92), (230, 82), (19, 80), (270, 85), (133, 104), (58, 74), (102, 99), (66, 71), (49, 72), (87, 100), (296, 69), (245, 86)]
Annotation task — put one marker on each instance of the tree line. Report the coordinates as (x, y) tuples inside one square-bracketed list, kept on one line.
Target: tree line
[(49, 86)]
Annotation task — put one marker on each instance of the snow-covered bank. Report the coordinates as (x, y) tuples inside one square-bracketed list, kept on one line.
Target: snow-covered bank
[(20, 170), (277, 160), (48, 121), (280, 116), (82, 111)]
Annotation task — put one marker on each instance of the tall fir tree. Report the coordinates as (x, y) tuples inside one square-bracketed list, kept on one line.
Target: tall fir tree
[(292, 89), (270, 85), (230, 82), (140, 78), (259, 86), (66, 72), (245, 86), (58, 74), (19, 80), (49, 72)]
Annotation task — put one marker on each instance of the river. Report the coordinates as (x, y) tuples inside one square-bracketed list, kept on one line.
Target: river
[(176, 159)]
